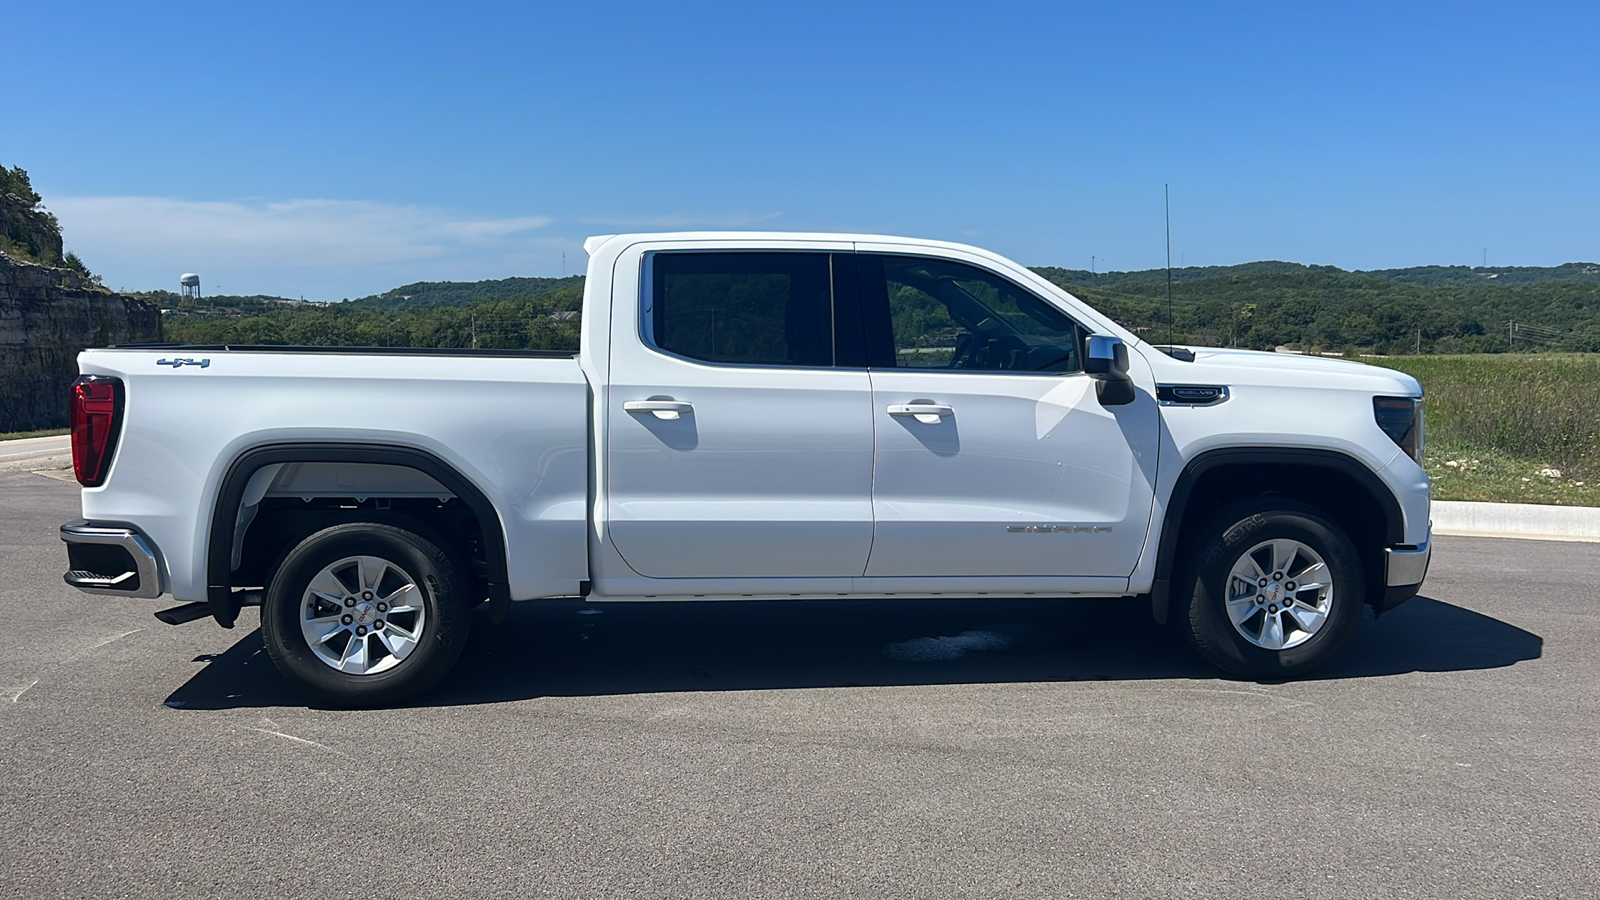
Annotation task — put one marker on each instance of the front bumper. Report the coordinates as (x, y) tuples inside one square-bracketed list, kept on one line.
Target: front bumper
[(1404, 569), (111, 560)]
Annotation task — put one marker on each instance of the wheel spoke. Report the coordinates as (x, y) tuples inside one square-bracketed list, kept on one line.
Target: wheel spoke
[(328, 587), (1272, 631), (399, 641), (355, 656), (1242, 609), (1315, 570), (372, 570), (402, 600), (1283, 554), (1307, 618), (320, 631)]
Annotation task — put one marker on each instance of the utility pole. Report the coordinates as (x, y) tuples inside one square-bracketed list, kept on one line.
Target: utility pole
[(1511, 334), (1419, 341), (474, 331)]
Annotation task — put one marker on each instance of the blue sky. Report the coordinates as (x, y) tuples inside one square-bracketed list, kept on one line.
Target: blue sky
[(335, 150)]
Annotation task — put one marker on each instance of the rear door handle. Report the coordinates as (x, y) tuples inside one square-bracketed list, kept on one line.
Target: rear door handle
[(661, 409), (926, 413)]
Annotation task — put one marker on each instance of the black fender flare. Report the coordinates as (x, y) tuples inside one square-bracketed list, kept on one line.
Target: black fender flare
[(1178, 502), (230, 493)]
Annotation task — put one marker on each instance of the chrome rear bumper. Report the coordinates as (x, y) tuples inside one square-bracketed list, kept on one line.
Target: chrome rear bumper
[(112, 560)]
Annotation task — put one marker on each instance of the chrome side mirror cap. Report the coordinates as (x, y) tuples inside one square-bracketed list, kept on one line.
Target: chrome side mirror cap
[(1105, 359)]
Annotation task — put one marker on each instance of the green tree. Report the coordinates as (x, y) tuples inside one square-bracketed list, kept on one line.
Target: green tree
[(15, 181)]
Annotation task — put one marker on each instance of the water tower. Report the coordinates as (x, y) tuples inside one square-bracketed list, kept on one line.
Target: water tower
[(191, 286)]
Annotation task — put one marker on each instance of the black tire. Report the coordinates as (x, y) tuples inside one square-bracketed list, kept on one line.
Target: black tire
[(1204, 578), (438, 617)]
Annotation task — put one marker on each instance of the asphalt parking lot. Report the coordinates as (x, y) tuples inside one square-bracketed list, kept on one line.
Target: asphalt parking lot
[(906, 749)]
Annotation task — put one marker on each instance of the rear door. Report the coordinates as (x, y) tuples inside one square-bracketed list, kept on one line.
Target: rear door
[(739, 437), (994, 456)]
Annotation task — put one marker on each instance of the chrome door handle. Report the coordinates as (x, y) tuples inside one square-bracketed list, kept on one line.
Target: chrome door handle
[(661, 409), (926, 413)]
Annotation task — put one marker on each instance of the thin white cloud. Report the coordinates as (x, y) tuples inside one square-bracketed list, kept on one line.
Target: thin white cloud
[(685, 220), (308, 246), (295, 233)]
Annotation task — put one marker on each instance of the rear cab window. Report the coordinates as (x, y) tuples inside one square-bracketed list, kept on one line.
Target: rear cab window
[(742, 308)]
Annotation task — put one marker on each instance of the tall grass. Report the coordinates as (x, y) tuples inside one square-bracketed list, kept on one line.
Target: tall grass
[(1541, 408)]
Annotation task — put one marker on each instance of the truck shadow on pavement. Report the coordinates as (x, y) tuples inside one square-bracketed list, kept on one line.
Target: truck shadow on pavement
[(561, 648)]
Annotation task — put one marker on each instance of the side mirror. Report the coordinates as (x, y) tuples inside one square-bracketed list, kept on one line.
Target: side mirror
[(1105, 359)]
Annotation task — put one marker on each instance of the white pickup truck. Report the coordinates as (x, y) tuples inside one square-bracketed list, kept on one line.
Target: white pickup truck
[(752, 416)]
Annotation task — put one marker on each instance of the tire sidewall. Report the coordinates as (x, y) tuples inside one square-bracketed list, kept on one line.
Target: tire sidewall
[(1229, 536), (441, 592)]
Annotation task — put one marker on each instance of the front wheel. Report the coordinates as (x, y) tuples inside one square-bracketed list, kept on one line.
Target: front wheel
[(1273, 590), (365, 613)]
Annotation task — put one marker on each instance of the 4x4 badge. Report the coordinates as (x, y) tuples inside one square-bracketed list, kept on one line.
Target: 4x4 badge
[(180, 362)]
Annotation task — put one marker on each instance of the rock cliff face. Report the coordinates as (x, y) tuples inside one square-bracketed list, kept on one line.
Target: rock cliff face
[(47, 315)]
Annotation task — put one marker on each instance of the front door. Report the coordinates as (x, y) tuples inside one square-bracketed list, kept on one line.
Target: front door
[(994, 456), (738, 446)]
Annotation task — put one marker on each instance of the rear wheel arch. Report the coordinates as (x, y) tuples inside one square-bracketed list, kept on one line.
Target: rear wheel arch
[(230, 494), (1338, 486)]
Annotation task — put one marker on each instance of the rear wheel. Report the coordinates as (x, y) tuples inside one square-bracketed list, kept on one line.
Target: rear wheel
[(1273, 590), (365, 613)]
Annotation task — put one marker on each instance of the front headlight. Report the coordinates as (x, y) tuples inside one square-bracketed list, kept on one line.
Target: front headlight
[(1401, 419)]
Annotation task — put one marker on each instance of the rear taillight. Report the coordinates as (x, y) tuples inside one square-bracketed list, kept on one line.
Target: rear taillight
[(1401, 419), (96, 418)]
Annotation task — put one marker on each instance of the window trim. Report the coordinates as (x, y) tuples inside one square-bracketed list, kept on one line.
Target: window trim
[(838, 320), (877, 317)]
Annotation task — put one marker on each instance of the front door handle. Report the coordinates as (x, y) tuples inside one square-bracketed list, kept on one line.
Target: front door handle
[(661, 409), (926, 413)]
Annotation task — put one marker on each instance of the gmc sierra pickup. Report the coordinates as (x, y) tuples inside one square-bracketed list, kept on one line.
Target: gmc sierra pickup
[(752, 416)]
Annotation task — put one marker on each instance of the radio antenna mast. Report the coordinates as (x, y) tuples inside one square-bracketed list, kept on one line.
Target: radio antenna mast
[(1168, 189)]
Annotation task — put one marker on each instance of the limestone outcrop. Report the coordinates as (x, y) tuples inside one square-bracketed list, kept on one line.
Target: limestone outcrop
[(47, 315)]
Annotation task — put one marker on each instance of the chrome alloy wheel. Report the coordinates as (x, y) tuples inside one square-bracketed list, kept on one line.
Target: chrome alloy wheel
[(1279, 594), (362, 615)]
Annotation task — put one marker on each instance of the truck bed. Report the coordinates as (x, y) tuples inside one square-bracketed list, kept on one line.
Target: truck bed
[(515, 423)]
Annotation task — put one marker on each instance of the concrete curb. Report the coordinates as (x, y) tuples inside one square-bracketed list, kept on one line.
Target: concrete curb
[(1516, 520), (47, 460)]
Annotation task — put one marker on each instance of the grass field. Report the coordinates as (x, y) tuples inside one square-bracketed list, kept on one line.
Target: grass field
[(19, 435), (1520, 428)]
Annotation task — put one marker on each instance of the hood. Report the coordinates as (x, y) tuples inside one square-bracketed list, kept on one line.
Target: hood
[(1231, 367)]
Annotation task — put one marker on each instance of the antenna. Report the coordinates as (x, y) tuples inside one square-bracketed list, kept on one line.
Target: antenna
[(1168, 189)]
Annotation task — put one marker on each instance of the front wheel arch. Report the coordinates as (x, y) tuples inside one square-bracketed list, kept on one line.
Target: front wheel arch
[(1338, 486)]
